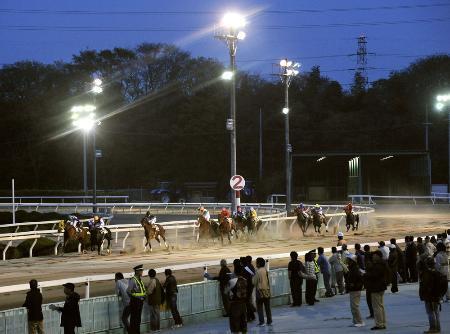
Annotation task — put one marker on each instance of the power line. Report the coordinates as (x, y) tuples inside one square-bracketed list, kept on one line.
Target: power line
[(203, 12)]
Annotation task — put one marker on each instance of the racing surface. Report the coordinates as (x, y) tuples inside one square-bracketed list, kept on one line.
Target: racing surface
[(386, 222)]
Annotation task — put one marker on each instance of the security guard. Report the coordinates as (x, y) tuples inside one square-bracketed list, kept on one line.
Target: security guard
[(136, 291)]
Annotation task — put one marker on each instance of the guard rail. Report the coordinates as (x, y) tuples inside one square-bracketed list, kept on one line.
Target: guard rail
[(370, 198)]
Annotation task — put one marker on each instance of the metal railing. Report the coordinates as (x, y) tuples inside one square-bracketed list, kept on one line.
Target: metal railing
[(62, 199), (370, 199)]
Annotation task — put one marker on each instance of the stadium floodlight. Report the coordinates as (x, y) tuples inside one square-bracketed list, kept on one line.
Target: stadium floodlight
[(227, 75), (233, 21), (285, 111)]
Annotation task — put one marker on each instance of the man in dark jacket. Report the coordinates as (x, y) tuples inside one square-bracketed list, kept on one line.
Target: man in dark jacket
[(400, 260), (295, 270), (429, 294), (248, 273), (367, 264), (70, 312), (411, 259), (360, 256), (393, 266), (223, 278), (154, 294), (354, 285), (171, 288), (237, 290), (377, 279), (33, 303)]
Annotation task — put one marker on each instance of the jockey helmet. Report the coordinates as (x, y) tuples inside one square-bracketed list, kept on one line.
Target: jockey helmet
[(224, 210), (300, 205), (252, 208), (317, 205), (96, 217), (340, 234), (201, 209), (147, 213)]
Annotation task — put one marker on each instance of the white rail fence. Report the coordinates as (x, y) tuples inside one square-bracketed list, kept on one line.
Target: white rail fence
[(61, 199), (370, 199)]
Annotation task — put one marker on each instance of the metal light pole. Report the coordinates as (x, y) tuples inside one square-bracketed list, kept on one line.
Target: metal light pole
[(443, 101), (96, 89), (288, 71), (85, 189), (230, 33)]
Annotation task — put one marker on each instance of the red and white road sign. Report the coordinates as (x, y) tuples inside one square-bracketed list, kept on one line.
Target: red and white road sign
[(237, 182)]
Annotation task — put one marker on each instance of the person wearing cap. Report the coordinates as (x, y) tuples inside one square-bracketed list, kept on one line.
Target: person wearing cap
[(70, 312), (33, 303), (171, 288), (341, 240), (393, 266), (137, 292), (384, 250), (354, 285), (121, 291)]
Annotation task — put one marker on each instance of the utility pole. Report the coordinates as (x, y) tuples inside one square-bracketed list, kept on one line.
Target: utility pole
[(260, 146)]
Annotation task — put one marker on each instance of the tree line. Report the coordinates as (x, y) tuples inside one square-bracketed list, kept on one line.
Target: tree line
[(163, 118)]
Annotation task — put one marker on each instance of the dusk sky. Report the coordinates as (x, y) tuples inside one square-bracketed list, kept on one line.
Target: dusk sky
[(320, 33)]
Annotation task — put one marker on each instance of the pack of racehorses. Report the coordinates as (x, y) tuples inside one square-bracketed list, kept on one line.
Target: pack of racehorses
[(306, 218)]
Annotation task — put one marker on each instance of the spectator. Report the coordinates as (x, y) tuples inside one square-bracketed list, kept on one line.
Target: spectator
[(429, 294), (171, 288), (295, 271), (433, 240), (354, 285), (311, 279), (368, 263), (359, 256), (400, 260), (430, 248), (336, 267), (324, 265), (441, 260), (393, 266), (377, 276), (237, 290), (384, 250), (262, 286), (344, 251), (33, 303), (420, 246), (136, 291), (411, 259), (223, 278), (447, 243), (248, 273), (121, 291), (316, 271), (154, 295), (70, 312), (341, 240)]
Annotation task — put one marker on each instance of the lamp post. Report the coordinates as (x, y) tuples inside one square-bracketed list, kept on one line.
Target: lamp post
[(96, 89), (443, 102), (230, 32), (288, 70)]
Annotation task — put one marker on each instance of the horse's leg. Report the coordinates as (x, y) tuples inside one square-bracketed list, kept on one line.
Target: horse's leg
[(157, 239), (165, 242), (198, 235), (229, 237)]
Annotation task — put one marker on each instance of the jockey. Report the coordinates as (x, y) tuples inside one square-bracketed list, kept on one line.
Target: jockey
[(239, 214), (253, 213), (318, 209), (151, 220), (99, 224), (224, 213), (341, 240), (75, 222), (205, 213), (348, 208)]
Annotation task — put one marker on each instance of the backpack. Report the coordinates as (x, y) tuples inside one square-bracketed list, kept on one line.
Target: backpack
[(239, 291)]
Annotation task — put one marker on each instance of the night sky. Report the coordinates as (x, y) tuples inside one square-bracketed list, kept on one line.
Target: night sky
[(312, 32)]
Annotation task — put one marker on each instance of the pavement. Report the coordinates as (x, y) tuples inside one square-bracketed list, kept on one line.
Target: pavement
[(405, 314)]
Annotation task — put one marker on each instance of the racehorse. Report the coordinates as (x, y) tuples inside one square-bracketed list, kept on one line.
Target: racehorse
[(318, 219), (253, 225), (70, 233), (153, 231), (207, 229), (240, 224), (97, 238), (303, 220), (350, 220), (226, 227)]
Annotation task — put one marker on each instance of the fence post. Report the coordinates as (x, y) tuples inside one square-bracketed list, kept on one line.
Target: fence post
[(32, 246), (87, 289), (6, 248), (267, 264)]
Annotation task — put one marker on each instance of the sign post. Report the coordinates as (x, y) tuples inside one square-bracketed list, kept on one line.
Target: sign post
[(237, 183)]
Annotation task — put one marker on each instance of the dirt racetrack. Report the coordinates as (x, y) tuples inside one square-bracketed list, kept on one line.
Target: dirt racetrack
[(386, 222)]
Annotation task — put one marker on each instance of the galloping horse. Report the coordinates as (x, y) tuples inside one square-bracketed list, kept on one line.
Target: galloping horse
[(97, 238), (70, 233), (153, 231), (318, 219), (350, 220), (240, 224), (207, 229), (253, 225), (303, 220), (226, 227)]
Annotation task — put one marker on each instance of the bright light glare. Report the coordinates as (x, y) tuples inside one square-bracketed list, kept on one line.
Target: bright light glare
[(85, 108), (83, 117), (97, 82), (285, 111), (241, 35), (283, 62), (233, 20), (443, 98), (440, 106), (320, 159), (97, 89), (388, 157), (289, 63), (227, 75)]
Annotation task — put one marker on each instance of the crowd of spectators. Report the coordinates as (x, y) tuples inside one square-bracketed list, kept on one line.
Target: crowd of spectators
[(246, 289)]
